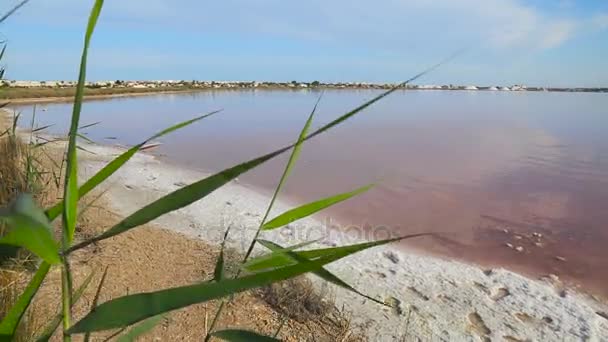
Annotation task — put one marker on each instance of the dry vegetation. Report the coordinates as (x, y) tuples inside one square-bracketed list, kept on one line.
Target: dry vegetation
[(68, 93)]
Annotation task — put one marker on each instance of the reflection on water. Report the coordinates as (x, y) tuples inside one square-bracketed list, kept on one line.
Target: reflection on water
[(487, 169)]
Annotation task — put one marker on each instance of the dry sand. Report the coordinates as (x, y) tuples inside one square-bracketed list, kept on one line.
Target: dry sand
[(435, 299)]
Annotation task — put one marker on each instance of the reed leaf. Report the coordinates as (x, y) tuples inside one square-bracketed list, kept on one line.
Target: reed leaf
[(87, 336), (54, 324), (131, 309), (322, 273), (295, 153), (140, 329), (30, 228), (89, 125), (311, 208), (251, 264), (178, 199), (235, 335), (117, 163), (218, 272), (11, 321), (13, 10), (70, 193), (279, 259), (85, 138)]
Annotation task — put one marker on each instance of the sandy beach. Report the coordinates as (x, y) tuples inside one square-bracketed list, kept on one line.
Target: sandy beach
[(435, 299)]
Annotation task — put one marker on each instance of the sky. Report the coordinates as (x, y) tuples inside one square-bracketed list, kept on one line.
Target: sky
[(503, 42)]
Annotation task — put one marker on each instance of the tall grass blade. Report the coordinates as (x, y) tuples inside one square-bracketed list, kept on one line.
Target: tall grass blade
[(54, 324), (13, 10), (218, 273), (87, 336), (311, 208), (252, 264), (234, 335), (322, 273), (85, 138), (140, 329), (29, 228), (9, 324), (89, 125), (178, 199), (130, 309), (279, 259), (117, 163), (70, 194), (35, 130), (295, 153)]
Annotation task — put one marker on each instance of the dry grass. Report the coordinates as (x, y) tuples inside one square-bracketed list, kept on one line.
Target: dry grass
[(22, 93), (11, 282), (13, 260), (12, 178), (298, 300)]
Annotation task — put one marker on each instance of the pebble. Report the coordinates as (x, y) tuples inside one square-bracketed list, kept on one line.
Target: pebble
[(509, 245), (519, 248), (560, 258)]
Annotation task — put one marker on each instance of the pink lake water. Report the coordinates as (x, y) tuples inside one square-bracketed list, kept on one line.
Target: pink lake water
[(470, 165)]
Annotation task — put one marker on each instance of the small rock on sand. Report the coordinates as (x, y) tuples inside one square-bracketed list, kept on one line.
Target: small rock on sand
[(395, 305), (559, 258), (392, 257), (519, 248)]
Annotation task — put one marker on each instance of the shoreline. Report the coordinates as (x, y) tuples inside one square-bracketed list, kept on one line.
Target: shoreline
[(69, 99), (450, 299), (134, 92)]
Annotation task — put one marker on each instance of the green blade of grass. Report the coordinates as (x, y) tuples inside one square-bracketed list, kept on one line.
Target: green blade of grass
[(56, 321), (177, 199), (117, 163), (70, 189), (87, 336), (218, 272), (89, 125), (131, 309), (322, 273), (279, 259), (295, 153), (310, 208), (235, 335), (70, 193), (85, 138), (13, 10), (41, 128), (29, 228), (251, 264), (140, 329), (11, 321)]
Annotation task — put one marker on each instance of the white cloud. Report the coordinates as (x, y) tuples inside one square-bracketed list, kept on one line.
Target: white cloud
[(389, 24)]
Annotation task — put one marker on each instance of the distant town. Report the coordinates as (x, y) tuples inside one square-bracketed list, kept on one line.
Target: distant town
[(274, 85)]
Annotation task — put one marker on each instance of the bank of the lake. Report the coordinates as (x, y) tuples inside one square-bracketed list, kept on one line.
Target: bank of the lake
[(434, 298)]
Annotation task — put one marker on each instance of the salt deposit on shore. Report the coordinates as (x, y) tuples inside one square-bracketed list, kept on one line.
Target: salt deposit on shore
[(435, 299)]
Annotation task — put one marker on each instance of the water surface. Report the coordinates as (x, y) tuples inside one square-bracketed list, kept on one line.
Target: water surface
[(486, 169)]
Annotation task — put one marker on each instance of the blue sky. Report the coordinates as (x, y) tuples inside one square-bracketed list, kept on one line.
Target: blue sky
[(536, 42)]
